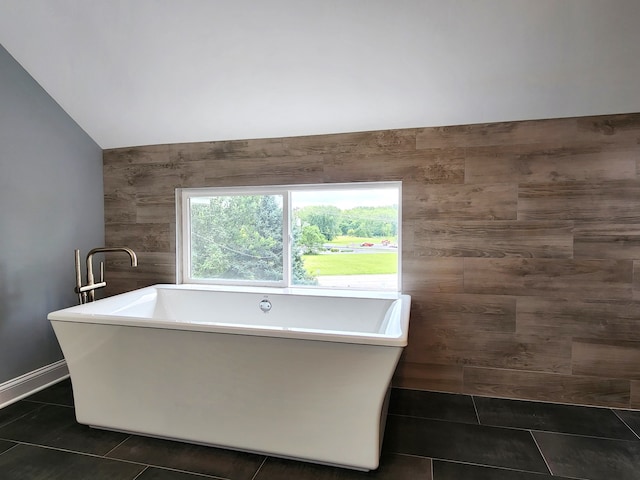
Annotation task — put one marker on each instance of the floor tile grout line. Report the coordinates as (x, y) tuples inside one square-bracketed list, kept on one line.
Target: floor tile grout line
[(40, 402), (462, 462), (521, 400), (94, 455), (476, 464), (580, 435), (259, 468), (444, 420), (541, 453), (178, 470), (521, 429), (508, 427), (21, 416), (9, 449), (475, 408), (143, 470), (626, 424), (105, 455), (124, 460)]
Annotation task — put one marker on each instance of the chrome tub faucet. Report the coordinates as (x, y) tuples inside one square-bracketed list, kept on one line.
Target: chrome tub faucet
[(86, 293)]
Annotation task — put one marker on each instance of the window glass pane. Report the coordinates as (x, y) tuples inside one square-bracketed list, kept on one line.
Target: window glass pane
[(346, 238), (236, 237)]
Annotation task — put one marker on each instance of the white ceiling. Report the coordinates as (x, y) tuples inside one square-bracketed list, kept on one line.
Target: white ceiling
[(138, 72)]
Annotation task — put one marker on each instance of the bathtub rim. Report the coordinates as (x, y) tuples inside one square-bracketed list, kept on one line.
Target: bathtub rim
[(402, 302)]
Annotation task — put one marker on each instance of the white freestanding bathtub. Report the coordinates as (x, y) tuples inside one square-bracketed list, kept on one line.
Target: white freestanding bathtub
[(279, 372)]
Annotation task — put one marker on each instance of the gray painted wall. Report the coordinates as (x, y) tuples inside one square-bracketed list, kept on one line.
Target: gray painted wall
[(51, 201)]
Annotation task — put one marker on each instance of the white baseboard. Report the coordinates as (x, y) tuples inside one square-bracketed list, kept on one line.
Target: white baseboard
[(32, 382)]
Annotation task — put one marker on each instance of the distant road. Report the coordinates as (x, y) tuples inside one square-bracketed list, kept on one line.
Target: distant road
[(387, 281)]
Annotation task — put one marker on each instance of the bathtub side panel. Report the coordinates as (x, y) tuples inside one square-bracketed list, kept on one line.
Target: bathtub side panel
[(312, 400)]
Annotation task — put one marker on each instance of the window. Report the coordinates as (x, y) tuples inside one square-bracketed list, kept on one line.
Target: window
[(327, 235)]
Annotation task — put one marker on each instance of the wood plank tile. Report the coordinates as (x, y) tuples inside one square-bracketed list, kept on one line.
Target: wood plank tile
[(345, 168), (142, 237), (119, 206), (407, 239), (421, 167), (155, 208), (449, 346), (460, 202), (515, 133), (136, 155), (542, 163), (636, 280), (431, 274), (117, 283), (117, 177), (497, 238), (606, 358), (614, 202), (264, 171), (551, 387), (155, 177), (218, 150), (623, 129), (229, 150), (635, 395), (438, 166), (439, 378), (549, 277), (361, 142), (607, 240), (606, 319), (477, 313)]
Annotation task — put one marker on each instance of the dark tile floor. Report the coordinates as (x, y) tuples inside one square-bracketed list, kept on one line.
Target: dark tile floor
[(430, 436)]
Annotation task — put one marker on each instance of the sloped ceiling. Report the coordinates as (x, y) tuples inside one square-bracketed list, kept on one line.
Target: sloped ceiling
[(137, 72)]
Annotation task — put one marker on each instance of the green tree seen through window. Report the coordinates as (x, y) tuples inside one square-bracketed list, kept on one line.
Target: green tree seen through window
[(237, 237)]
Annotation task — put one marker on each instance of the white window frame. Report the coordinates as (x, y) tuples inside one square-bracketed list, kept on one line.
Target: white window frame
[(183, 227)]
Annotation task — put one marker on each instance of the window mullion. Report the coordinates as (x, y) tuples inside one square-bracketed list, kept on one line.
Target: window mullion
[(287, 238)]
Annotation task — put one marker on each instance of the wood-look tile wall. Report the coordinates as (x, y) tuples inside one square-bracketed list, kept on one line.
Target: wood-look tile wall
[(521, 242)]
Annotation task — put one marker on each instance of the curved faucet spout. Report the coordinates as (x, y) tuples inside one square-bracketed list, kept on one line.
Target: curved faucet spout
[(90, 277), (132, 254)]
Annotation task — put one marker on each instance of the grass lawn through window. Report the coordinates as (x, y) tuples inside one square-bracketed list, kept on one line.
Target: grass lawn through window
[(351, 263)]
